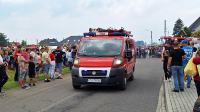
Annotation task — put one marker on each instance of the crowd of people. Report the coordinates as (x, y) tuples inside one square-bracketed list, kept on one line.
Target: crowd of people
[(147, 52), (175, 57), (28, 63)]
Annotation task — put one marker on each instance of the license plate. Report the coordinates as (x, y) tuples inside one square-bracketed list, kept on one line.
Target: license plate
[(94, 80)]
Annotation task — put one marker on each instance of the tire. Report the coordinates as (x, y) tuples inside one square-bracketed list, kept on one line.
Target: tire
[(123, 84), (76, 86)]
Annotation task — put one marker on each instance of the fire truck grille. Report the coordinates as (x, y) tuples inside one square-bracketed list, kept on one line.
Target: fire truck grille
[(94, 73)]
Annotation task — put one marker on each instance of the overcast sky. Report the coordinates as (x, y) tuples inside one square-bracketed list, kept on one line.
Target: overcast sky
[(38, 19)]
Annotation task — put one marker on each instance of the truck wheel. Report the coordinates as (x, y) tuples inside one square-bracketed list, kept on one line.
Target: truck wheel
[(123, 84), (76, 86)]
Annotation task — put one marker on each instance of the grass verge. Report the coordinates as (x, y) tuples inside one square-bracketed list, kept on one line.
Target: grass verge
[(13, 84)]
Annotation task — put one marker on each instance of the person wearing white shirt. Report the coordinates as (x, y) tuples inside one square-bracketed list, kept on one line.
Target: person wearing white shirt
[(69, 58), (3, 74)]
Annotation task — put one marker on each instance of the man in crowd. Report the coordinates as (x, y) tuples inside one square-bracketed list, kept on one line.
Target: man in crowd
[(192, 45), (46, 64), (59, 55), (175, 61), (188, 51)]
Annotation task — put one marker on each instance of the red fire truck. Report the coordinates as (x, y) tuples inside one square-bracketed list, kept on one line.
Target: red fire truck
[(104, 58)]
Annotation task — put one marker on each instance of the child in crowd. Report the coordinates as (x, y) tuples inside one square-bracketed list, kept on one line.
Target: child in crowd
[(31, 70)]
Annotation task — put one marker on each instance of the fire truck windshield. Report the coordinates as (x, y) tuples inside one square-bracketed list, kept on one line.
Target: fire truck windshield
[(101, 47)]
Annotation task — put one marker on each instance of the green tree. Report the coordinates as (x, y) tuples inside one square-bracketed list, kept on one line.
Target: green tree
[(181, 33), (178, 26), (24, 43), (187, 31), (3, 40)]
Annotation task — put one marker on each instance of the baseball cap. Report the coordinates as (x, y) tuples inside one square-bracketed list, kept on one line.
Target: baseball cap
[(184, 42)]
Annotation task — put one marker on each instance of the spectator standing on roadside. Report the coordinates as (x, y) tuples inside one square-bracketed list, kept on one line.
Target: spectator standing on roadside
[(196, 60), (15, 56), (189, 52), (6, 57), (37, 61), (74, 52), (64, 56), (69, 58), (46, 64), (31, 71), (59, 56), (52, 66), (192, 45), (175, 62), (26, 56), (3, 74), (167, 49), (22, 71), (12, 61)]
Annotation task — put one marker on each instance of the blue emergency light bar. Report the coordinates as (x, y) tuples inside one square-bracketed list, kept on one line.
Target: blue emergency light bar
[(118, 34), (92, 34)]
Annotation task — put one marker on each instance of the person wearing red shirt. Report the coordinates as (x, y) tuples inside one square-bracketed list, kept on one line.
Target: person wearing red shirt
[(52, 66), (196, 60)]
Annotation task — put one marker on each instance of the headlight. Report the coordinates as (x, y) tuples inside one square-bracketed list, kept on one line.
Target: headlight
[(76, 62), (117, 62)]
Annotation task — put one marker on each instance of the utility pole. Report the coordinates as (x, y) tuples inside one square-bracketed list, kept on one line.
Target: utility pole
[(151, 38), (165, 28)]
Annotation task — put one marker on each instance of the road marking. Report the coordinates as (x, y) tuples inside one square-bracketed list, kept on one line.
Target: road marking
[(57, 103)]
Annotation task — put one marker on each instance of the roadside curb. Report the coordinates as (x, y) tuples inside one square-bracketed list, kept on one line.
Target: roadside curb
[(159, 106), (166, 95)]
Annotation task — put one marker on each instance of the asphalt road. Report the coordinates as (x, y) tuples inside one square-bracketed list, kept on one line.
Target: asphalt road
[(58, 96)]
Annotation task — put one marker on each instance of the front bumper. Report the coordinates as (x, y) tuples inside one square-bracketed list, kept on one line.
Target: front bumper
[(116, 77)]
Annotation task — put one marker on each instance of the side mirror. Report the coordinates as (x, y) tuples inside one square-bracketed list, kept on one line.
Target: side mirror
[(128, 54)]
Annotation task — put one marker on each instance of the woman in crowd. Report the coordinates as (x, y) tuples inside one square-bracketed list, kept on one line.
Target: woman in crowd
[(196, 61), (52, 65)]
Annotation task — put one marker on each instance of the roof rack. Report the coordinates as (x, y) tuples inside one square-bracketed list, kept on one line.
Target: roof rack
[(107, 32)]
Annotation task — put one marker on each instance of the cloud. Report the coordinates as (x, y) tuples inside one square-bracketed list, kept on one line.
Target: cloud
[(39, 19), (15, 1)]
